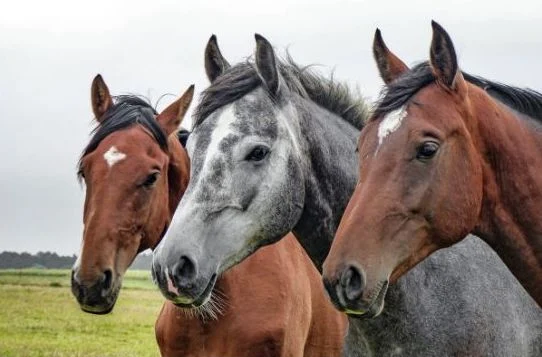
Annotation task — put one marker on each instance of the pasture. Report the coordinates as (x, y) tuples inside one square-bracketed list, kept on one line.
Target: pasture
[(40, 317)]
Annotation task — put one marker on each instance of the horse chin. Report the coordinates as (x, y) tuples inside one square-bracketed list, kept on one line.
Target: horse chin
[(97, 310), (102, 307), (202, 299), (374, 308)]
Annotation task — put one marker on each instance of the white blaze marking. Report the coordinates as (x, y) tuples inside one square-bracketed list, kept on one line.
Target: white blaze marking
[(389, 124), (222, 129), (292, 126), (113, 155)]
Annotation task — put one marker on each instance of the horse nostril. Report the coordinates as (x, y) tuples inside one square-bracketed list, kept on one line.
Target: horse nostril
[(107, 279), (185, 271), (352, 282)]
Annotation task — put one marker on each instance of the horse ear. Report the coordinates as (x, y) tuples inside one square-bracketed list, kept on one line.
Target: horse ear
[(266, 64), (389, 65), (215, 63), (170, 119), (100, 97), (442, 57)]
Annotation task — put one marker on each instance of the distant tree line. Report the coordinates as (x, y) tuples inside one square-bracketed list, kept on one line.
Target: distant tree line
[(50, 260), (12, 260)]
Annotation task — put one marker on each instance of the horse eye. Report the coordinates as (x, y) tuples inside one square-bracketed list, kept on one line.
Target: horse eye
[(427, 150), (150, 180), (257, 154)]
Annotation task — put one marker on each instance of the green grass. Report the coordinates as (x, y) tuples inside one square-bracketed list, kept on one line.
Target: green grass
[(134, 279), (40, 317)]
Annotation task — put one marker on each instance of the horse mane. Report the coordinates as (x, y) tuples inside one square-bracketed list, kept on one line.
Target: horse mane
[(128, 110), (397, 93), (525, 100), (239, 80)]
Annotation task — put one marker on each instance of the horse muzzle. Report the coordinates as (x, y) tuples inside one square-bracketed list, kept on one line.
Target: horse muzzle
[(98, 297), (350, 293), (181, 284)]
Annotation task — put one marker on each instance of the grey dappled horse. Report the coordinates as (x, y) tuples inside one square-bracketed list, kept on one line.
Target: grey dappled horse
[(272, 151)]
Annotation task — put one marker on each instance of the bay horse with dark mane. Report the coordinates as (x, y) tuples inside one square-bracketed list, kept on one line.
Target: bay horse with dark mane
[(136, 171), (273, 150), (444, 154)]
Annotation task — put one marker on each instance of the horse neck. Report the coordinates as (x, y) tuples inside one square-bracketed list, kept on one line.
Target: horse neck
[(330, 177), (511, 150)]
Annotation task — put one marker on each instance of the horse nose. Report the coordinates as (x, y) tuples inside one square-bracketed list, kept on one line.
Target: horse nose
[(352, 283), (103, 284), (184, 272)]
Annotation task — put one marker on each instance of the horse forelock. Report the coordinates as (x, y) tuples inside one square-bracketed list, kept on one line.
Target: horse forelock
[(128, 110)]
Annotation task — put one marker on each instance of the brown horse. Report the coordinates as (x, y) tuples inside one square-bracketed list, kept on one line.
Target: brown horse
[(136, 171), (135, 175), (445, 154)]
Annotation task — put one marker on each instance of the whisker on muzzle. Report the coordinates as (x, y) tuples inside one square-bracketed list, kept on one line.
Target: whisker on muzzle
[(212, 309)]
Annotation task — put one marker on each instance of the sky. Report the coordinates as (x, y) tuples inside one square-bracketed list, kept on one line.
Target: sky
[(51, 50)]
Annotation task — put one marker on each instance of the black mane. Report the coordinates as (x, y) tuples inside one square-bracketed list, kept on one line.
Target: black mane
[(128, 110), (398, 93), (242, 78)]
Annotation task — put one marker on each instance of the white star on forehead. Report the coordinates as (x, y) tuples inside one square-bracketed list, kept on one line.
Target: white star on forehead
[(390, 123), (113, 155)]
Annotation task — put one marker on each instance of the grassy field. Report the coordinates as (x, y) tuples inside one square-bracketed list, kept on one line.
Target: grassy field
[(40, 317)]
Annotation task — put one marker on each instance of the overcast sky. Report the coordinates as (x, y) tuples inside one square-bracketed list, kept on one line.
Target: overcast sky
[(50, 51)]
